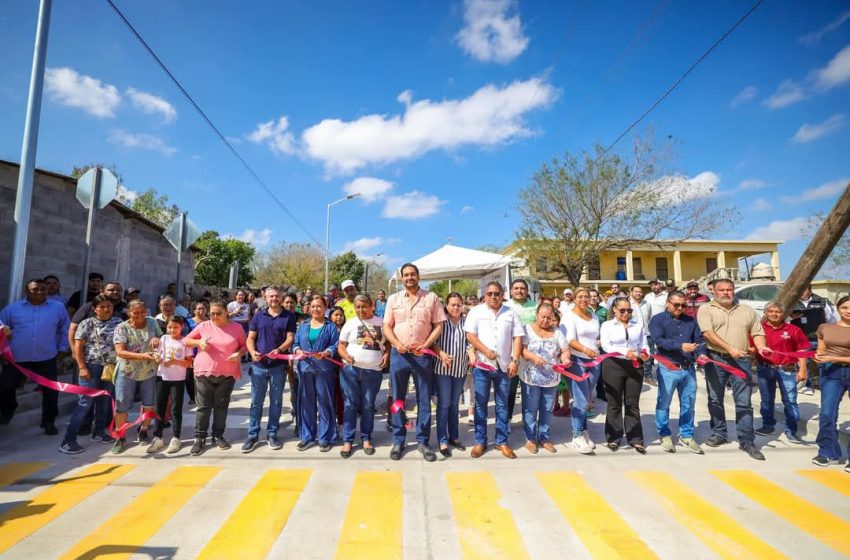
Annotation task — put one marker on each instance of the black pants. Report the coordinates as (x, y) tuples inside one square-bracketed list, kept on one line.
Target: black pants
[(164, 390), (512, 390), (11, 378), (212, 394), (623, 384), (190, 383)]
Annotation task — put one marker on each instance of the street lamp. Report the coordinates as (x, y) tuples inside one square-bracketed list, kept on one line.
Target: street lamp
[(328, 233)]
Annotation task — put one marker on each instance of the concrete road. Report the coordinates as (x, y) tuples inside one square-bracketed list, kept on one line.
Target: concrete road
[(305, 505)]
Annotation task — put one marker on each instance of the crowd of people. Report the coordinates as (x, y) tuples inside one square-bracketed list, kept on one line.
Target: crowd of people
[(560, 354)]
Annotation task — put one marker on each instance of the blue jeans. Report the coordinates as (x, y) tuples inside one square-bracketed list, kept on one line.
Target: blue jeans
[(537, 406), (670, 380), (272, 378), (581, 393), (500, 382), (769, 378), (422, 369), (102, 412), (834, 383), (316, 416), (449, 389), (742, 393), (360, 386)]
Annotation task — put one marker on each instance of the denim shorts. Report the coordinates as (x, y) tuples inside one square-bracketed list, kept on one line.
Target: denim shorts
[(125, 390)]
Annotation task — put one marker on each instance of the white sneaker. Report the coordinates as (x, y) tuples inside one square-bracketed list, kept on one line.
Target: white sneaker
[(156, 445), (808, 391), (174, 445), (581, 445), (589, 441)]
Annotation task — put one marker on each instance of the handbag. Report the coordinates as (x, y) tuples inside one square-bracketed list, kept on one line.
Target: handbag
[(108, 373)]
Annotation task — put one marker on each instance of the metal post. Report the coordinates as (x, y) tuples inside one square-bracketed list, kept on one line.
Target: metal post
[(327, 245), (366, 278), (182, 244), (23, 198), (93, 204)]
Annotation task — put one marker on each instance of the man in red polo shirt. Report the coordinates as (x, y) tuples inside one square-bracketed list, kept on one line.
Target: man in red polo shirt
[(784, 371)]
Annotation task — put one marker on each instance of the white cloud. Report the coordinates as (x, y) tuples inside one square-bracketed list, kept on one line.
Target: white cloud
[(761, 204), (746, 95), (811, 132), (370, 188), (126, 196), (141, 141), (363, 244), (412, 206), (466, 209), (489, 34), (836, 72), (815, 36), (259, 238), (488, 117), (151, 104), (750, 185), (823, 192), (67, 87), (780, 230), (788, 93), (678, 188), (276, 135)]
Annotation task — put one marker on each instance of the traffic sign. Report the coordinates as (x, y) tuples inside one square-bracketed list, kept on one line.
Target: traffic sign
[(172, 233), (108, 187)]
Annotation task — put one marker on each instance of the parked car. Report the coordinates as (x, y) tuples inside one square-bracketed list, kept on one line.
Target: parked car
[(758, 295)]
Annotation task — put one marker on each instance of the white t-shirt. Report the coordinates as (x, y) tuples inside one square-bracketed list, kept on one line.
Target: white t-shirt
[(170, 349), (585, 331), (365, 338)]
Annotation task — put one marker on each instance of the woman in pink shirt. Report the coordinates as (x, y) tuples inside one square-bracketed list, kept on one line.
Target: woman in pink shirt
[(220, 343)]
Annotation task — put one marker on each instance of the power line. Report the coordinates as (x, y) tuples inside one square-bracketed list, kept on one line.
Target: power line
[(682, 77), (215, 129)]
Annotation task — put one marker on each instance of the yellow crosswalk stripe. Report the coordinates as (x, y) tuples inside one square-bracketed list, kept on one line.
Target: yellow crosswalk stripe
[(12, 472), (801, 513), (487, 530), (835, 480), (253, 527), (372, 526), (720, 532), (25, 519), (588, 513), (122, 534)]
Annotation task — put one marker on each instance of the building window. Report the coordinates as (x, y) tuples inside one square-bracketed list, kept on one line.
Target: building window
[(637, 269), (541, 264), (661, 268), (710, 264), (593, 271)]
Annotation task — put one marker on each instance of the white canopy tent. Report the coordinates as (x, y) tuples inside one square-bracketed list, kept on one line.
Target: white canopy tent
[(455, 263)]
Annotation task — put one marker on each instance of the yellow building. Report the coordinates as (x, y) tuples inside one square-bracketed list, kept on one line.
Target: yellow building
[(677, 261)]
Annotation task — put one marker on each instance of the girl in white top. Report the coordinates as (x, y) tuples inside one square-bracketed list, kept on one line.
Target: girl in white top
[(582, 330), (623, 377), (174, 358)]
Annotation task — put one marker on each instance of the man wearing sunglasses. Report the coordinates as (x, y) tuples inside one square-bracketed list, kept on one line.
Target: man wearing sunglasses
[(679, 340)]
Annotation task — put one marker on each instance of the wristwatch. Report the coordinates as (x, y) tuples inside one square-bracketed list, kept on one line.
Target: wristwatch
[(514, 360)]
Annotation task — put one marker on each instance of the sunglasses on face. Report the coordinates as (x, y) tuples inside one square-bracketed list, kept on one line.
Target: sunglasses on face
[(629, 310), (493, 294), (678, 305), (216, 313)]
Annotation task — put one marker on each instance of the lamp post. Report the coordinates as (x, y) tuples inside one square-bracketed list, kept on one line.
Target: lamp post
[(328, 233)]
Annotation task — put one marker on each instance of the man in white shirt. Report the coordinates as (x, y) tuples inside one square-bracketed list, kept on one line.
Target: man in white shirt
[(495, 331), (567, 302)]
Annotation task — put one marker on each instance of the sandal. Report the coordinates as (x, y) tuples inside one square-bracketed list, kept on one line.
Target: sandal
[(640, 448), (368, 450), (345, 453), (612, 445)]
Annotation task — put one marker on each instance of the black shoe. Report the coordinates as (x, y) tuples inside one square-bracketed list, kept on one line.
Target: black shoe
[(750, 449), (457, 445), (198, 446), (274, 442), (220, 442), (84, 430), (305, 445), (446, 452), (249, 445), (822, 461), (345, 453), (427, 453), (71, 447), (715, 441), (325, 447), (50, 429), (143, 437), (369, 450), (396, 451), (765, 430), (103, 437)]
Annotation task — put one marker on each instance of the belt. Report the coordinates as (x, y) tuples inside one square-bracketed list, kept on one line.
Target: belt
[(788, 367)]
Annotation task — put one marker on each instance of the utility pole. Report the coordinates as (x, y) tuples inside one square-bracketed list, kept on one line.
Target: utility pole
[(812, 259)]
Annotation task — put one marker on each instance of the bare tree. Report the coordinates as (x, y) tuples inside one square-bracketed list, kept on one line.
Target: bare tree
[(576, 209), (293, 264)]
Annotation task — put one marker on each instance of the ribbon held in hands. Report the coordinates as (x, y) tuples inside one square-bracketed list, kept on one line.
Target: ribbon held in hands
[(703, 359), (800, 354), (562, 369), (296, 357), (484, 366)]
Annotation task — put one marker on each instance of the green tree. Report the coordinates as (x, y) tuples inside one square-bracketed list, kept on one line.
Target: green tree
[(78, 172), (463, 287), (300, 265), (216, 254), (155, 207), (345, 266)]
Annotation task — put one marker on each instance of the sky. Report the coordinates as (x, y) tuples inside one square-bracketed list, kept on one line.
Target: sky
[(437, 113)]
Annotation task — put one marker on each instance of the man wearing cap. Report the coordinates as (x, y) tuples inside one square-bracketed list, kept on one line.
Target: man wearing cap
[(567, 302), (131, 293), (347, 303), (693, 299)]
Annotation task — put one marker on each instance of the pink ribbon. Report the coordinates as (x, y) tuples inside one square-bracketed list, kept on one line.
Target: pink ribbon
[(702, 360), (484, 366), (118, 432), (562, 369), (397, 406), (295, 357), (799, 354)]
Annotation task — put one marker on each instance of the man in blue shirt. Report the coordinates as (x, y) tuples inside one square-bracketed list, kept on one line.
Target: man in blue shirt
[(39, 334), (678, 339), (271, 330)]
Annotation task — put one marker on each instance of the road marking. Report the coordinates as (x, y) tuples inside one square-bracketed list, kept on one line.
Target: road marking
[(373, 521), (13, 472), (587, 511), (62, 495), (720, 532), (126, 531), (486, 529), (835, 480), (257, 522), (801, 513)]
